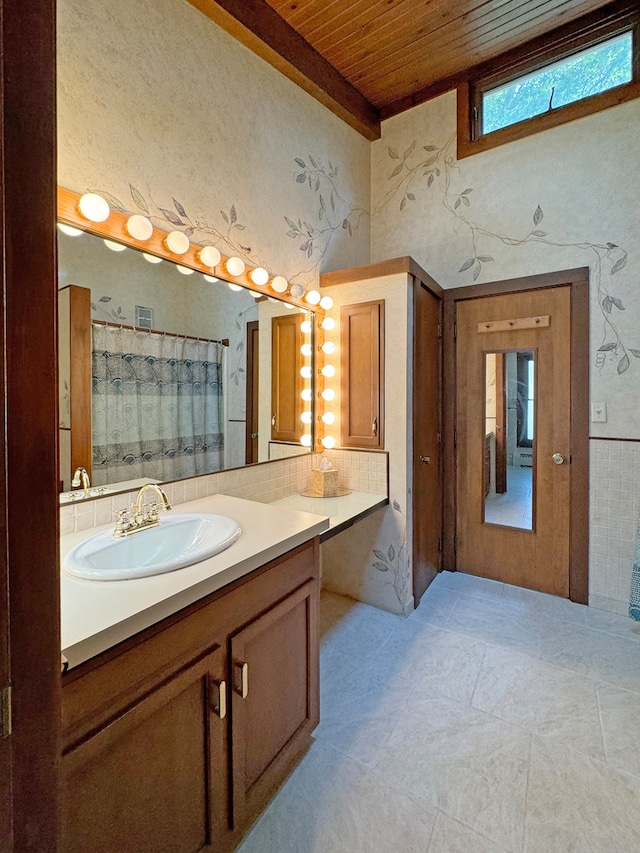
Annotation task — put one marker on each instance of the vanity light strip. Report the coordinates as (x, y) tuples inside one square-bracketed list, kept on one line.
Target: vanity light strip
[(113, 228)]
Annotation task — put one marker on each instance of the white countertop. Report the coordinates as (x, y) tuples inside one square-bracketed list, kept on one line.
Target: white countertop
[(342, 511), (98, 614)]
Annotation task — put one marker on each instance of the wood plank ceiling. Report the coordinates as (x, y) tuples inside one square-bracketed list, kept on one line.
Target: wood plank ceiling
[(390, 54)]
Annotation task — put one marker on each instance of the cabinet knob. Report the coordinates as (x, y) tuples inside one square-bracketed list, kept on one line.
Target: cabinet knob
[(242, 686), (273, 420), (425, 459), (558, 458)]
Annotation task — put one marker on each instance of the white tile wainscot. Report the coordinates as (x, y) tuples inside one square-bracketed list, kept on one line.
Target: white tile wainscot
[(342, 511), (98, 614)]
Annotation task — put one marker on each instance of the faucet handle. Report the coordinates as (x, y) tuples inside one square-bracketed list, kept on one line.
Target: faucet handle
[(152, 512), (123, 521)]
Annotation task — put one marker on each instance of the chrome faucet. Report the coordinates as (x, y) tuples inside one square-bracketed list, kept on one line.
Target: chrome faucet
[(81, 478), (141, 516)]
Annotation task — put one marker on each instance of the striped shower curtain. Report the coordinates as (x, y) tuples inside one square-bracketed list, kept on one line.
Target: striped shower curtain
[(157, 405)]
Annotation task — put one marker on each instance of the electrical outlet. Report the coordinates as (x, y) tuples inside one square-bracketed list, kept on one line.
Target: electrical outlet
[(598, 413)]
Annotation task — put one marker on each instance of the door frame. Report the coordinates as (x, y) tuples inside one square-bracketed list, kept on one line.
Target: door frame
[(252, 370), (578, 281)]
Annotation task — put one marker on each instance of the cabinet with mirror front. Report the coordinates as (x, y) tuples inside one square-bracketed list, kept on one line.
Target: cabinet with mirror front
[(170, 368)]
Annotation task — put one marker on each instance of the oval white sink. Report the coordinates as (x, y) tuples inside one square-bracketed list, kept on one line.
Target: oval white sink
[(179, 541)]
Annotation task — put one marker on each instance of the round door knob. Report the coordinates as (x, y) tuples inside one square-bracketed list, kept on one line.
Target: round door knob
[(558, 458)]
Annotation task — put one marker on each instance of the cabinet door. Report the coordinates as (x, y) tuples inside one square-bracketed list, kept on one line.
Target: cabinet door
[(362, 374), (156, 777), (286, 382), (275, 697)]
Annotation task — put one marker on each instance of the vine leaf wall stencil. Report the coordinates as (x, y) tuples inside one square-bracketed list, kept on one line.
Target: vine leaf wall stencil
[(393, 560), (429, 167)]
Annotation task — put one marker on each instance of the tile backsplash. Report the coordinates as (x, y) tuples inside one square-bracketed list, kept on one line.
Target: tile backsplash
[(362, 471)]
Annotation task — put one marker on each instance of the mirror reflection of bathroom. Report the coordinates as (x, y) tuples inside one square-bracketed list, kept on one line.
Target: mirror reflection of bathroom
[(509, 447)]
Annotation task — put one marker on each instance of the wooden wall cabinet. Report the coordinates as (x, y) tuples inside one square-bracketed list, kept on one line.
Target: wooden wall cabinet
[(175, 741), (286, 381), (362, 375)]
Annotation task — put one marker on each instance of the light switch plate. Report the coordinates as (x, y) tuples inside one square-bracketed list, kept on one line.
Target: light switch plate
[(598, 413)]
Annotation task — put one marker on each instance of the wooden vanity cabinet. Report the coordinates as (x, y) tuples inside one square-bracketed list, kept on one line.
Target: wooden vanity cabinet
[(176, 739), (362, 375)]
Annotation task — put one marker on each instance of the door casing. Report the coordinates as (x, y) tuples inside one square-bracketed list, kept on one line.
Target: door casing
[(578, 281)]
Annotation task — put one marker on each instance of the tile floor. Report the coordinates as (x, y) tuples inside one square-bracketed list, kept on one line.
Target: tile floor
[(514, 507), (493, 719)]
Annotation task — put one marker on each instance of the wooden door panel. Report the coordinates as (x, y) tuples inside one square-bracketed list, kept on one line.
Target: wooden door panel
[(155, 778), (280, 709), (538, 559), (427, 402), (362, 374), (252, 399), (286, 382)]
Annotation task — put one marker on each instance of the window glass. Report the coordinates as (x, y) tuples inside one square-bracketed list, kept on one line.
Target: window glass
[(586, 73)]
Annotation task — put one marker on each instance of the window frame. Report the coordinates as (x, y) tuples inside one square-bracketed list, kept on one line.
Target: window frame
[(590, 31)]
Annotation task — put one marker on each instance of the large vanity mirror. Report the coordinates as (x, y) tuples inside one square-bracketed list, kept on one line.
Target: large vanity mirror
[(166, 372), (509, 446)]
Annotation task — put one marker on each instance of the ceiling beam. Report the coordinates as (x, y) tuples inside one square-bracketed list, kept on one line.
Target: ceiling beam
[(262, 30)]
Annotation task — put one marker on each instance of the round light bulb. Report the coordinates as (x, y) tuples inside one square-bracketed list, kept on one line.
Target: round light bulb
[(306, 417), (328, 348), (115, 247), (307, 395), (93, 207), (297, 291), (305, 440), (177, 242), (153, 259), (184, 270), (327, 303), (259, 276), (138, 227), (328, 324), (328, 394), (279, 284), (305, 327), (313, 297), (329, 442), (328, 370), (235, 266), (305, 349), (209, 256), (328, 418), (69, 230), (211, 278), (235, 287), (305, 372)]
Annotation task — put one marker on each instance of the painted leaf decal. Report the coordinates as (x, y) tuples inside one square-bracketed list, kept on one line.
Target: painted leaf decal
[(289, 222), (538, 215), (379, 554), (240, 227), (301, 178), (466, 201), (476, 272), (111, 200), (635, 352), (607, 304), (539, 233), (233, 214), (457, 204), (381, 567), (396, 506), (189, 231), (224, 216), (105, 299), (403, 203), (467, 264), (392, 553), (395, 172), (467, 191), (618, 303), (138, 199), (171, 217), (411, 196), (430, 180), (619, 264), (623, 364), (313, 162), (606, 347), (179, 207), (410, 150), (485, 258), (301, 163), (393, 154), (429, 147)]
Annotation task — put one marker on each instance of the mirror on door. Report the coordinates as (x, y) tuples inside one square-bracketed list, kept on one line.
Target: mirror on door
[(509, 444)]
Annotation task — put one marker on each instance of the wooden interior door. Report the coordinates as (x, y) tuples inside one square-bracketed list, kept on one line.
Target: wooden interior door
[(286, 382), (536, 558), (427, 405), (253, 374)]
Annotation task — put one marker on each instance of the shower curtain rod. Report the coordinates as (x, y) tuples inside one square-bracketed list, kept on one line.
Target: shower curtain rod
[(224, 341)]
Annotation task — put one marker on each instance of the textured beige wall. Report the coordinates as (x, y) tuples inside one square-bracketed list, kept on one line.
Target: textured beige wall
[(155, 95), (560, 199)]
